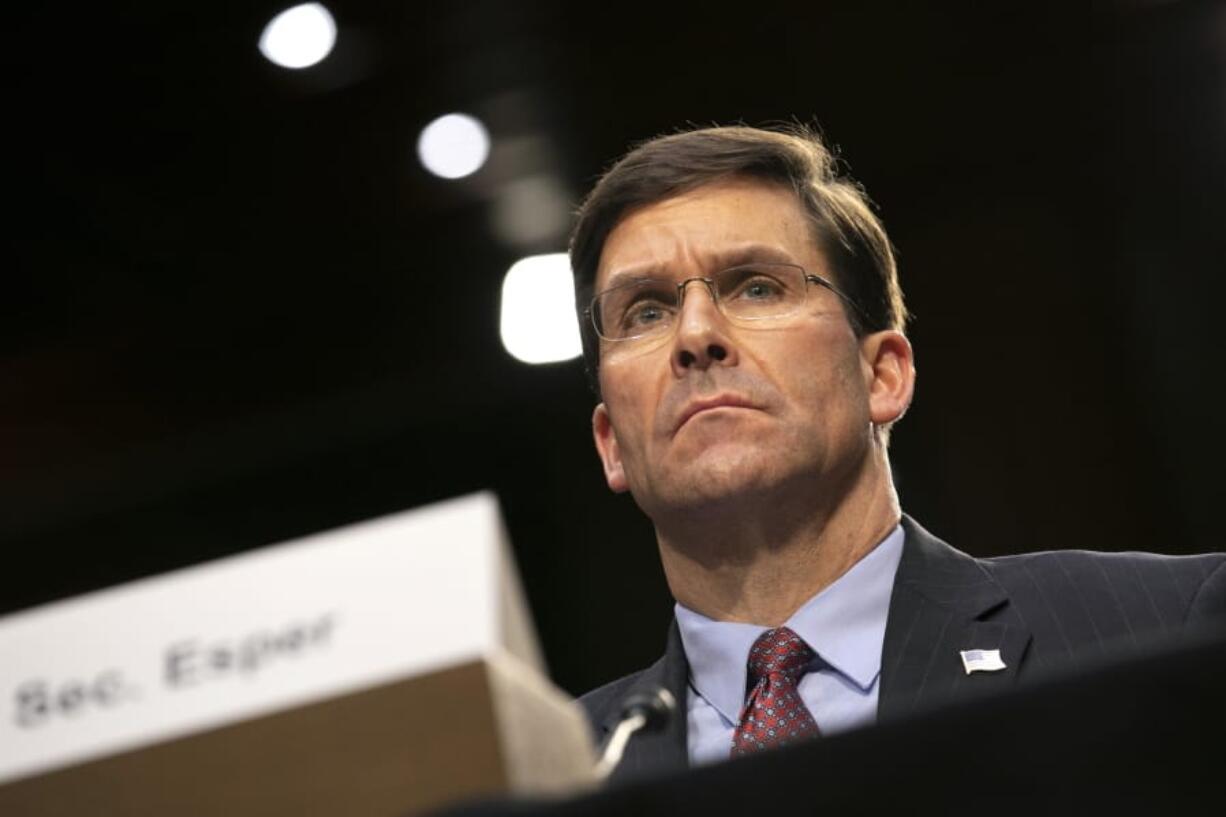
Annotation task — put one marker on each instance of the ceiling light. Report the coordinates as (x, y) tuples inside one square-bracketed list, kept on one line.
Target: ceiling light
[(299, 37), (453, 146), (538, 310)]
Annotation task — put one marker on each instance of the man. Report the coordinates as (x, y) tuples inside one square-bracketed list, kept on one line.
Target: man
[(745, 325)]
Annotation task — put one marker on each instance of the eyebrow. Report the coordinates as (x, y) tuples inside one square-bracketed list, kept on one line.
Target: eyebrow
[(732, 257)]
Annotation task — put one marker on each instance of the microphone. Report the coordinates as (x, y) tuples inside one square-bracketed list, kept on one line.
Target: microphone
[(643, 711)]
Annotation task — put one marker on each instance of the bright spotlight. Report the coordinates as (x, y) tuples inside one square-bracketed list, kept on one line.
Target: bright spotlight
[(299, 37), (538, 310), (453, 146)]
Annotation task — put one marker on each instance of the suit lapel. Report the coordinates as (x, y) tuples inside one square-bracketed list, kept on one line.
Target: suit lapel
[(944, 602), (665, 751)]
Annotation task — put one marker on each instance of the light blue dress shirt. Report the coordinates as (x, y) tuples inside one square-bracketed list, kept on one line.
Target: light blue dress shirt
[(845, 626)]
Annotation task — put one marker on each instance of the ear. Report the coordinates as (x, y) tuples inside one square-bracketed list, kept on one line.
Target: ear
[(889, 371), (607, 448)]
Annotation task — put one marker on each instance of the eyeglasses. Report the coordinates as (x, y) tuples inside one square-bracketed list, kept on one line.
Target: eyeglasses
[(648, 307)]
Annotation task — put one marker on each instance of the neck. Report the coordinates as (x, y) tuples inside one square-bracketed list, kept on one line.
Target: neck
[(760, 560)]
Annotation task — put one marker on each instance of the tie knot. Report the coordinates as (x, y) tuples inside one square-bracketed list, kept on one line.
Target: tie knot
[(779, 651)]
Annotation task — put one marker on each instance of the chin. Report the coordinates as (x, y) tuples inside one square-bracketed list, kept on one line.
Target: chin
[(711, 479)]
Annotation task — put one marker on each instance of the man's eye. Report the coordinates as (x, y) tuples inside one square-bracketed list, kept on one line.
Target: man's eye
[(643, 314), (760, 288)]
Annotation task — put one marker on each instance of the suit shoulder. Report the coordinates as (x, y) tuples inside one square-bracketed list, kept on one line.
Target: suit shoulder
[(1091, 562), (1169, 586)]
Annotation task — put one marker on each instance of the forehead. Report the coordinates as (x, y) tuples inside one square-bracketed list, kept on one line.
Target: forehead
[(710, 226)]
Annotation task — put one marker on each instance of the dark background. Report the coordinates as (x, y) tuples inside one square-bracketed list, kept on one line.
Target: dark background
[(236, 310)]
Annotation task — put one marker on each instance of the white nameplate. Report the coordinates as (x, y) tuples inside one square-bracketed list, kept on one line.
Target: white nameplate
[(256, 633)]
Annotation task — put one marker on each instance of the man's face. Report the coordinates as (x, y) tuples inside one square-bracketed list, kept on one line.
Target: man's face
[(717, 411)]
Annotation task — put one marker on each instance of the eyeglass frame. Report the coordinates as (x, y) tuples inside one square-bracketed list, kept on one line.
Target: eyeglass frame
[(859, 318)]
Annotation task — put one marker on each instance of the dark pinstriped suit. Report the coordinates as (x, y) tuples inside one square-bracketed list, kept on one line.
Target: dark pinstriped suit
[(1045, 612)]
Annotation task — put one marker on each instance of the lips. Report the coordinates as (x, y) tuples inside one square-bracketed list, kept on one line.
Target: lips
[(720, 401)]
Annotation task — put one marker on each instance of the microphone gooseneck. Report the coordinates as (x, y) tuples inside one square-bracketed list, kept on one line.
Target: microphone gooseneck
[(643, 711)]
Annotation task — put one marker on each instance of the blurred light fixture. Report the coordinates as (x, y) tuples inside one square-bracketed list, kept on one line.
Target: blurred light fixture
[(538, 310), (299, 37), (532, 212), (453, 146)]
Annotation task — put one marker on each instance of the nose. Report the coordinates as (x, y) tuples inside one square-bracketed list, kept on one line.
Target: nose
[(702, 338)]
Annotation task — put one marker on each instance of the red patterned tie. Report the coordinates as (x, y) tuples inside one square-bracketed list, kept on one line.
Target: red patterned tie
[(774, 715)]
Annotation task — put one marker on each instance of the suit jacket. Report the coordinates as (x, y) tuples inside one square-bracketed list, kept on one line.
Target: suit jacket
[(1047, 613)]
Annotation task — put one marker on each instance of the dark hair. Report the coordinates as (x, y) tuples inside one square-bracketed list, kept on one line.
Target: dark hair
[(845, 227)]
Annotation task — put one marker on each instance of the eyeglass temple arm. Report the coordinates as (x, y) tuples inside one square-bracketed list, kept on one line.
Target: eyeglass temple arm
[(860, 313)]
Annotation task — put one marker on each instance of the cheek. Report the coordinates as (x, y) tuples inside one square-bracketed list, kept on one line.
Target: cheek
[(825, 378), (630, 409)]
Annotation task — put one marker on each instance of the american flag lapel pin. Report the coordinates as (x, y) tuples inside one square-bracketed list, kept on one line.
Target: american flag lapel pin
[(981, 661)]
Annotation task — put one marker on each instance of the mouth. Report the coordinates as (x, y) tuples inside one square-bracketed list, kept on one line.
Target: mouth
[(721, 401)]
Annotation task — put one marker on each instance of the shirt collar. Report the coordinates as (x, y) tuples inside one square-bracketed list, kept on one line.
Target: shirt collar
[(844, 624)]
